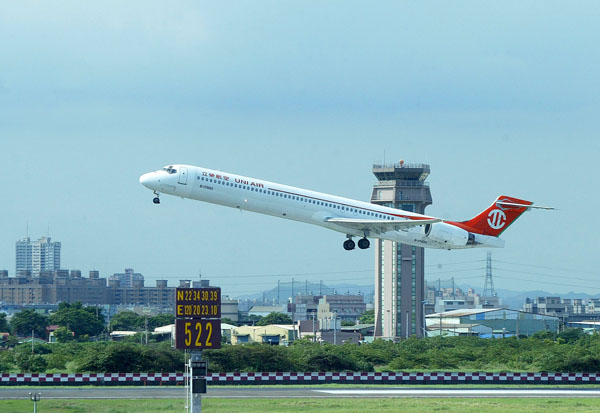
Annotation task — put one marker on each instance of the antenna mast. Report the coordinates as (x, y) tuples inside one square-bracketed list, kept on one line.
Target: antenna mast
[(488, 289)]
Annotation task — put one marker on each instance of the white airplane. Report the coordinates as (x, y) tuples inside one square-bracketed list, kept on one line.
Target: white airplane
[(348, 216)]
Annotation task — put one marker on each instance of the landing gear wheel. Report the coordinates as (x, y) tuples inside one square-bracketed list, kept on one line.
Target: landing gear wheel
[(156, 200), (349, 245), (363, 243)]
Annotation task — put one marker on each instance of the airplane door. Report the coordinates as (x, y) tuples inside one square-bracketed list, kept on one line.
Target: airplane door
[(183, 175)]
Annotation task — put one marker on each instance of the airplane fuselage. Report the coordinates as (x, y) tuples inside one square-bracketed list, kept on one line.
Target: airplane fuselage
[(283, 201)]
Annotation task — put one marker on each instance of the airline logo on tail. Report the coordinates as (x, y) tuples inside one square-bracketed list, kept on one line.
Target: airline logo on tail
[(496, 219)]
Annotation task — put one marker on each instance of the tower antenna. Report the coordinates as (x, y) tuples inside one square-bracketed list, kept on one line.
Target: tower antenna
[(488, 288)]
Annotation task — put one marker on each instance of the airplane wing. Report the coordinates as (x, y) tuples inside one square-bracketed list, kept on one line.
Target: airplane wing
[(379, 226)]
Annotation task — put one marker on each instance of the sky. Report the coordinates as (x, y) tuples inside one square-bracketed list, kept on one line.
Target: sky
[(498, 97)]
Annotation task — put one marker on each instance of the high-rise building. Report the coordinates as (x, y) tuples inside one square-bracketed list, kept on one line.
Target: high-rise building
[(399, 268), (23, 255), (127, 279), (37, 256)]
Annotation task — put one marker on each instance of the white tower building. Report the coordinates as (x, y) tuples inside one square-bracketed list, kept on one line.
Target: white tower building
[(37, 256)]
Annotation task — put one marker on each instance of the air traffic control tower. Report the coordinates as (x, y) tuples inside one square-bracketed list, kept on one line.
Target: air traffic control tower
[(399, 268)]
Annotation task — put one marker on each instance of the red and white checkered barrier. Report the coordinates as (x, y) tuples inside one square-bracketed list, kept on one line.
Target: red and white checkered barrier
[(403, 378), (162, 379), (87, 379)]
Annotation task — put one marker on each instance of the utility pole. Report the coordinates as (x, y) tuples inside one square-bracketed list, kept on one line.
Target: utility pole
[(277, 292), (146, 327), (334, 328), (424, 321), (32, 341)]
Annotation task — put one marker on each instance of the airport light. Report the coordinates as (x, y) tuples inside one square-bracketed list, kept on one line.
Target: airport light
[(35, 397)]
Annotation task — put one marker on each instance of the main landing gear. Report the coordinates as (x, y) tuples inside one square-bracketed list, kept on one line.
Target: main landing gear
[(349, 245), (363, 244), (156, 199)]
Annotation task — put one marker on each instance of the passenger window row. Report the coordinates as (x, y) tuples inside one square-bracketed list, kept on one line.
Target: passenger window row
[(294, 197)]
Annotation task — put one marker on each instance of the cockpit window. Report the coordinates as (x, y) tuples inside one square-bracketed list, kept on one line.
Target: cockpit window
[(169, 169)]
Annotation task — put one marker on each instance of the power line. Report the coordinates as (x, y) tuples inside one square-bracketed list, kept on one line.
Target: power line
[(468, 278), (271, 282), (544, 275), (548, 268), (453, 271), (300, 274), (454, 263), (548, 282), (435, 280), (346, 279), (281, 275)]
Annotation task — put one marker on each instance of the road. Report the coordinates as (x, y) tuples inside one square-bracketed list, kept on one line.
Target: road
[(295, 392)]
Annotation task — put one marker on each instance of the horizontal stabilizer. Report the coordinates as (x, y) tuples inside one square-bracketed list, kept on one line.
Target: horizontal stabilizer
[(524, 205)]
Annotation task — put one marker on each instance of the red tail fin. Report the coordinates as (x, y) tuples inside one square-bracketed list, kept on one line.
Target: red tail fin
[(494, 220)]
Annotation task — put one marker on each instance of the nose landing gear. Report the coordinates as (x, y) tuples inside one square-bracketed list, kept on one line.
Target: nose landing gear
[(156, 199)]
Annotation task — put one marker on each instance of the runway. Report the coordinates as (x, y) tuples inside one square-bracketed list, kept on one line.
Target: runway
[(285, 392)]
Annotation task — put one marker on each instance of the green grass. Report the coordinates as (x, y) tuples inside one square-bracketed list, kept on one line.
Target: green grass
[(96, 406), (310, 405)]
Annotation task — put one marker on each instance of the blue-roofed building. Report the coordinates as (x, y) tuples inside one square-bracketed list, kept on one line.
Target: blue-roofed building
[(489, 322)]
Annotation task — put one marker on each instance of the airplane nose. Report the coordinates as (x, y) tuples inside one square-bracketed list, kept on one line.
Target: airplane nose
[(147, 180)]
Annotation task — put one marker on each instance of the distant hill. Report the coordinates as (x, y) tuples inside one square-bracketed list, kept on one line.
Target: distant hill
[(516, 299), (285, 291), (510, 298)]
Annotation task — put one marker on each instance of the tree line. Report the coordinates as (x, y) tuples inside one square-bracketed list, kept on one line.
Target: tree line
[(77, 322), (80, 323), (571, 351)]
